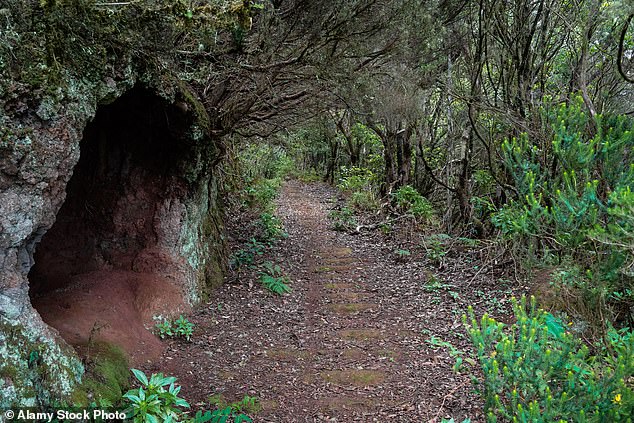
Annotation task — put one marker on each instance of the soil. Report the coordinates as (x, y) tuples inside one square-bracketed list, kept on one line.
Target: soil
[(358, 337), (112, 306)]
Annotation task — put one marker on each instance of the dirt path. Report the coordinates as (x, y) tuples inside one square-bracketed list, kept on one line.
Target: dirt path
[(348, 344)]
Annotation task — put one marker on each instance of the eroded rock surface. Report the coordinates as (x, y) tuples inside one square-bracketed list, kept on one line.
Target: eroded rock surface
[(108, 175)]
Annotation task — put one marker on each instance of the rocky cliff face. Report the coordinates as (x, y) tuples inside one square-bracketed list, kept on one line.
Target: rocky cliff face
[(108, 171)]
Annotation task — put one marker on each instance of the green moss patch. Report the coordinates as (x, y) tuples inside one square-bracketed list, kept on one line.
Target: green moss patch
[(286, 354), (354, 377), (361, 334), (351, 308), (107, 376)]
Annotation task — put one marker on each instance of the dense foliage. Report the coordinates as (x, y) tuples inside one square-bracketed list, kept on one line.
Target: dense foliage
[(571, 202), (537, 370)]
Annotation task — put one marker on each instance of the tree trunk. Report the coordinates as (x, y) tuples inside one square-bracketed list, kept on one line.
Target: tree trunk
[(404, 157), (344, 126), (389, 150), (332, 161)]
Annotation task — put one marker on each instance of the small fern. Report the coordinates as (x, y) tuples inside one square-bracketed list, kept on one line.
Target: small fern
[(276, 285), (274, 280)]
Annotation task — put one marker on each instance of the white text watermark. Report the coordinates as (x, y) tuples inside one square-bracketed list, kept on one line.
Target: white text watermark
[(63, 415)]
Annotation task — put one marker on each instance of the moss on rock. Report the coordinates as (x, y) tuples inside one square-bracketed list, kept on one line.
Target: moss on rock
[(106, 379)]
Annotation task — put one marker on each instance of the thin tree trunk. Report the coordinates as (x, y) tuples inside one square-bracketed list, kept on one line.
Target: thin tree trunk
[(389, 148), (332, 161)]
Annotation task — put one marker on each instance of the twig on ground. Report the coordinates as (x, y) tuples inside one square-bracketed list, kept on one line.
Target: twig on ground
[(385, 222), (442, 405)]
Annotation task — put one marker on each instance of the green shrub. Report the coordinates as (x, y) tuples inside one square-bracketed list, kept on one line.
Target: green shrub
[(239, 410), (362, 185), (261, 193), (164, 328), (246, 256), (180, 327), (309, 176), (402, 255), (271, 227), (364, 201), (183, 328), (221, 415), (435, 248), (343, 219), (536, 370), (408, 200), (264, 161), (575, 198), (618, 233), (156, 400), (355, 179)]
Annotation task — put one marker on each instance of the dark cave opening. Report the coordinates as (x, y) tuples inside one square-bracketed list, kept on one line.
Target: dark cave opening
[(86, 272), (126, 166)]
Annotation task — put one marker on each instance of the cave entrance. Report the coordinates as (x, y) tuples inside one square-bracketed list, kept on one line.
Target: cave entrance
[(92, 276)]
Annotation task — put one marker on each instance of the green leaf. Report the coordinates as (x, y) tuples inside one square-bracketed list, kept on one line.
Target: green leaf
[(181, 403), (132, 397), (140, 376), (203, 418), (167, 381), (554, 326)]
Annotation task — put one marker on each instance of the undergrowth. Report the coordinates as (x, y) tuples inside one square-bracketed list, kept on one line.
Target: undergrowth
[(262, 169), (273, 279), (157, 400), (574, 209), (180, 327), (538, 370), (343, 219)]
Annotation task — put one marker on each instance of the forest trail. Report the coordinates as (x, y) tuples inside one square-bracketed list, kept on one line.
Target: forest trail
[(349, 343)]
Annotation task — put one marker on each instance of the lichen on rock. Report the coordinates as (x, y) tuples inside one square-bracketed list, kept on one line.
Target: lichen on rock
[(34, 368)]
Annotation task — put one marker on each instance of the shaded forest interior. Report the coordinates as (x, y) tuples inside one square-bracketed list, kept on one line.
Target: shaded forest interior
[(501, 131)]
